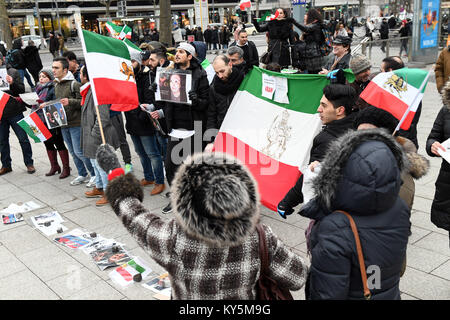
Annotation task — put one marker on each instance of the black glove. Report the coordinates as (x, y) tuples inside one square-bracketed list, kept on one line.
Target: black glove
[(284, 211), (153, 87), (193, 96), (107, 158)]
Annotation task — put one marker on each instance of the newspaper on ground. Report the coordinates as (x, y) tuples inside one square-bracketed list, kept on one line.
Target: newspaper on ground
[(12, 218), (20, 207), (76, 239), (49, 223), (160, 285), (134, 270), (112, 256)]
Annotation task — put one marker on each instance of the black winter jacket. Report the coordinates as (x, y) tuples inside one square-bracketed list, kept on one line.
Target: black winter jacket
[(440, 209), (214, 36), (221, 94), (13, 107), (344, 63), (138, 121), (319, 148), (253, 59), (207, 35), (32, 59), (182, 116), (313, 37), (384, 30), (361, 174)]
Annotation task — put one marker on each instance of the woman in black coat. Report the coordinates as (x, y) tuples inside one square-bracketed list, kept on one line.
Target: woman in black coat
[(279, 35), (33, 60), (312, 56), (440, 209), (361, 175)]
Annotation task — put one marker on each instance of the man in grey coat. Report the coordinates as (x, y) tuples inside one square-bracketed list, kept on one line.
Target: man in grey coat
[(91, 137)]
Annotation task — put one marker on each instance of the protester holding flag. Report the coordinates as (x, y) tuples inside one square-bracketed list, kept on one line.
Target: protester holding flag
[(11, 111), (91, 137), (361, 175), (279, 33), (45, 89), (186, 117), (335, 111), (67, 90), (440, 209), (142, 131), (360, 66)]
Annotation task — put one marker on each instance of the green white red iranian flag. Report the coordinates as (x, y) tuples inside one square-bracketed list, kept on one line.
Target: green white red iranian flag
[(398, 92), (35, 128), (110, 71), (272, 132), (119, 32)]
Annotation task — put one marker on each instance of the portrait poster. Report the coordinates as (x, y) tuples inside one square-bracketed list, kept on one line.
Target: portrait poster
[(54, 114), (173, 85), (4, 85), (429, 28)]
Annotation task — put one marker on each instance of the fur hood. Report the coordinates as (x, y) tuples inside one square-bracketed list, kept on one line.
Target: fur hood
[(445, 93), (417, 165), (359, 174), (215, 199)]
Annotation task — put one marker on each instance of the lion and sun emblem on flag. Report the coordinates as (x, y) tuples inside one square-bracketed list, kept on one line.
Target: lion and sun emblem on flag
[(396, 83)]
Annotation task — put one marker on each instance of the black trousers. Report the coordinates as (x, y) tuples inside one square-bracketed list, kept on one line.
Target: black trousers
[(56, 142)]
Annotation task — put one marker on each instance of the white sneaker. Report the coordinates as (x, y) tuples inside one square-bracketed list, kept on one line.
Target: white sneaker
[(78, 180), (91, 182)]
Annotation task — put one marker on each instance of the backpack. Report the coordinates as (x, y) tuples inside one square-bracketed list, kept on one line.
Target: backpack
[(325, 47), (10, 58)]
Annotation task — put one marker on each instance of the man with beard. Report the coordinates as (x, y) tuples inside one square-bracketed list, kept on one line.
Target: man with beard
[(221, 93), (186, 123), (360, 66)]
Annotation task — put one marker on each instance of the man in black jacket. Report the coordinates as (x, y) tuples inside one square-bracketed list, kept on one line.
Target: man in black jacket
[(53, 45), (384, 33), (335, 111), (186, 123), (236, 56), (221, 93), (11, 113), (251, 56), (208, 37)]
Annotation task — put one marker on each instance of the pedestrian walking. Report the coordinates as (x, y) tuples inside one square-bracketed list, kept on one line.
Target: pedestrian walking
[(361, 176), (340, 31), (199, 35), (61, 45), (211, 247), (440, 209), (215, 38), (53, 44), (33, 60), (224, 37), (91, 139), (384, 33), (403, 32), (67, 91), (12, 113), (16, 58), (45, 89), (208, 37)]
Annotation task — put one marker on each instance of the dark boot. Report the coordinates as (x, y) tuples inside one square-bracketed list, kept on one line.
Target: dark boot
[(55, 168), (64, 154)]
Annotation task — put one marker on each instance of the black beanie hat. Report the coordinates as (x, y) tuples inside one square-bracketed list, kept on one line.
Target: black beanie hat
[(378, 117)]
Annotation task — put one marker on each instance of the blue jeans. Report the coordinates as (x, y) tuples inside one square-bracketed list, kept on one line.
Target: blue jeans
[(101, 178), (225, 46), (5, 149), (149, 153), (162, 143), (24, 74), (72, 138)]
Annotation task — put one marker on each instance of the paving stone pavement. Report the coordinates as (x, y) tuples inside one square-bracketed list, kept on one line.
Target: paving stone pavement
[(33, 266)]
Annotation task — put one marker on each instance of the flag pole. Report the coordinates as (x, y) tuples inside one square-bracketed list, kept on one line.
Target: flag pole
[(100, 124), (413, 103)]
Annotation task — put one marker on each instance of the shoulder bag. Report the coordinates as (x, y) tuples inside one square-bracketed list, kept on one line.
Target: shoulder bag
[(266, 287)]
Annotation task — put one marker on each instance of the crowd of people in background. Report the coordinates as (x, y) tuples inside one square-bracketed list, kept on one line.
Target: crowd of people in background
[(215, 202)]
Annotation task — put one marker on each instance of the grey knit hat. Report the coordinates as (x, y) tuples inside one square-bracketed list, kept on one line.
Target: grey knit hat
[(359, 63), (136, 56), (48, 73)]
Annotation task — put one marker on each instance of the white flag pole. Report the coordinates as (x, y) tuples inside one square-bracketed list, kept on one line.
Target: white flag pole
[(424, 82)]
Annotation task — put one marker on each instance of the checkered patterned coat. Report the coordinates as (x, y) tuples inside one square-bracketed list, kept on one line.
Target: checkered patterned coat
[(201, 269)]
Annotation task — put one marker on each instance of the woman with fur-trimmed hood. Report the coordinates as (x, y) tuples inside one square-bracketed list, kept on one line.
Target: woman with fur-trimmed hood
[(211, 248), (360, 174), (440, 209)]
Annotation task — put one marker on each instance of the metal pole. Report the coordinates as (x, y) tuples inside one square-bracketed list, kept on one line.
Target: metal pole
[(214, 16), (39, 19), (57, 17)]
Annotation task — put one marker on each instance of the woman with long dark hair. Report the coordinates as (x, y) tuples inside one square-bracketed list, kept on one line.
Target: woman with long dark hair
[(313, 56), (279, 31)]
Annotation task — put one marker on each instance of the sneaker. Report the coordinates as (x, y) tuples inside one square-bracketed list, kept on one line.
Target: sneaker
[(167, 209), (128, 168), (78, 180), (94, 193), (91, 182)]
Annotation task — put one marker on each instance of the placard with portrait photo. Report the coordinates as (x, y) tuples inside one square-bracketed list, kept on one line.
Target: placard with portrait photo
[(173, 85), (55, 115), (4, 85)]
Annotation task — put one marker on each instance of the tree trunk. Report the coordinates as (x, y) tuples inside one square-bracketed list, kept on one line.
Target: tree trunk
[(165, 32), (6, 34), (361, 8)]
